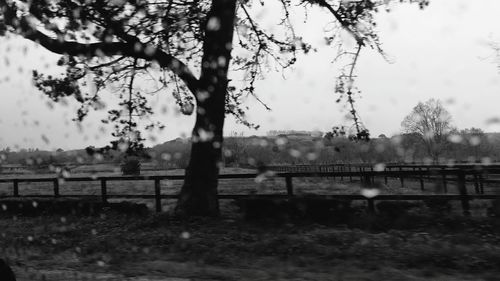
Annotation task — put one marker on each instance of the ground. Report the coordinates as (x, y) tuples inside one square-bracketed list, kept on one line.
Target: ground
[(425, 243), (415, 245)]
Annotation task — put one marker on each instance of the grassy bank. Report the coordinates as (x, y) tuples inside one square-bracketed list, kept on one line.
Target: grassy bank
[(417, 246)]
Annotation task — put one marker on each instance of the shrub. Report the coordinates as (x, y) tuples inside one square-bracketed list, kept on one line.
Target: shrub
[(131, 166)]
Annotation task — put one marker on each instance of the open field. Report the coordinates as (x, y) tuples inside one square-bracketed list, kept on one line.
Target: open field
[(417, 243)]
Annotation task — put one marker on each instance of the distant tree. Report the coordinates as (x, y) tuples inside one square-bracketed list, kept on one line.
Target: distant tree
[(361, 134), (409, 145), (475, 140), (432, 122), (234, 149), (329, 136)]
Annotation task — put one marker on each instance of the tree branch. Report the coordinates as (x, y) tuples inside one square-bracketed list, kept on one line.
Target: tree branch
[(324, 4), (132, 48)]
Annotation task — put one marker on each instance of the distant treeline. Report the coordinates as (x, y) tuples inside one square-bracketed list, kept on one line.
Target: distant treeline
[(289, 150), (286, 150)]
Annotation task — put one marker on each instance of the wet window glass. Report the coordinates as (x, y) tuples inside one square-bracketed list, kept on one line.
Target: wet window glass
[(249, 139)]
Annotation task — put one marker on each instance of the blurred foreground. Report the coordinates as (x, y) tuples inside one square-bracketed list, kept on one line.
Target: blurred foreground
[(414, 244)]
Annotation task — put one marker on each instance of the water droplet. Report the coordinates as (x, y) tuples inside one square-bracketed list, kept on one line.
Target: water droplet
[(295, 153), (166, 156), (370, 192), (379, 167), (311, 156), (65, 173), (486, 161), (455, 138), (45, 139), (213, 24), (493, 120), (475, 141), (281, 141), (185, 235)]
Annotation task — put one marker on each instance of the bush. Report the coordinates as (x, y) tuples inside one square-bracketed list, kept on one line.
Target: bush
[(131, 166)]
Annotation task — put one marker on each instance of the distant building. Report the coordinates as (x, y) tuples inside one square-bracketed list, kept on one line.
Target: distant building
[(293, 133)]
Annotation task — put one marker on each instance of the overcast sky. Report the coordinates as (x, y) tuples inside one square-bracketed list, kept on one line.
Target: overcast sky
[(441, 51)]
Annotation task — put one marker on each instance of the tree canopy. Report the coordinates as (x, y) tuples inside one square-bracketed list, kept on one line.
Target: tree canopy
[(432, 122), (183, 47), (119, 43)]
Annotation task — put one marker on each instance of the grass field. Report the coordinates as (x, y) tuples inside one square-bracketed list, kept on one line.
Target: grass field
[(413, 246)]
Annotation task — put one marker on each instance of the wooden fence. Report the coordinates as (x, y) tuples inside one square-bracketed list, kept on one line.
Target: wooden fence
[(461, 176), (476, 173)]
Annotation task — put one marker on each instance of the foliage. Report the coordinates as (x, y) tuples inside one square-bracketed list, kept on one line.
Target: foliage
[(466, 145), (131, 166), (161, 42)]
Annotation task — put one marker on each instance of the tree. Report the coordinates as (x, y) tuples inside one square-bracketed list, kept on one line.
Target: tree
[(432, 122), (234, 152), (475, 141), (409, 145), (122, 41)]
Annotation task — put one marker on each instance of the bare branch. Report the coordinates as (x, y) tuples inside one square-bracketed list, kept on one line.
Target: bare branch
[(132, 48)]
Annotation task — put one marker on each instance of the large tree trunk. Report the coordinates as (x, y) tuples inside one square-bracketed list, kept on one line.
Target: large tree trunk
[(198, 195)]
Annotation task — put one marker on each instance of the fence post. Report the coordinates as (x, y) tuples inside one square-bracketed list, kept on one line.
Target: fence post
[(421, 178), (372, 176), (386, 169), (104, 191), (361, 170), (341, 171), (371, 206), (16, 188), (56, 187), (445, 187), (289, 185), (481, 185), (476, 184), (350, 175), (463, 192), (333, 172), (401, 178), (157, 195)]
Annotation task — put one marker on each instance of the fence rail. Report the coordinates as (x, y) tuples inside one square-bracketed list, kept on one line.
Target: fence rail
[(461, 176)]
